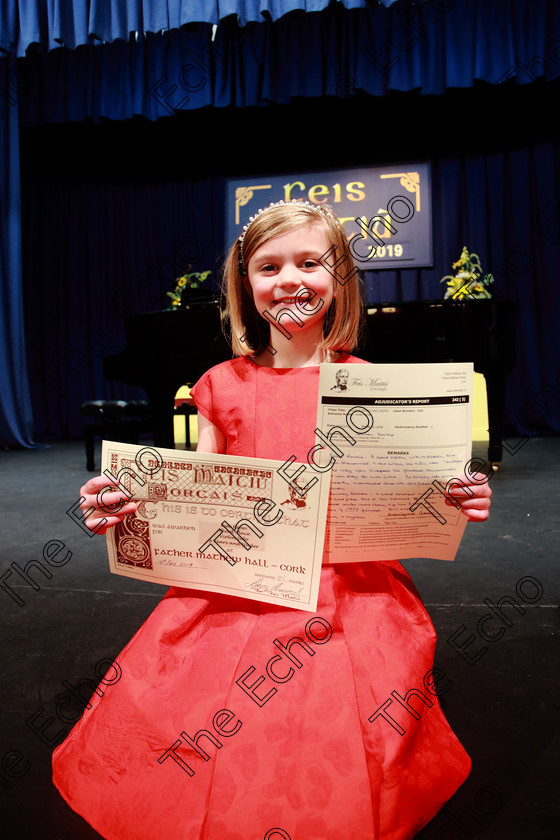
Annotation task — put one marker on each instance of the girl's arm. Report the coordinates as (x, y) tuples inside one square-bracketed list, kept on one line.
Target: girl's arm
[(210, 439)]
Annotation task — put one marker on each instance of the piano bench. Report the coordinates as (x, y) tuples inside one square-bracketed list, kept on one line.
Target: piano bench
[(120, 420)]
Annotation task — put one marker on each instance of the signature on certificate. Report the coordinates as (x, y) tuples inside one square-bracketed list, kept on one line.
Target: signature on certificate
[(260, 585)]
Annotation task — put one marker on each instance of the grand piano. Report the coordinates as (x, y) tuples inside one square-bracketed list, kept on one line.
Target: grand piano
[(167, 349)]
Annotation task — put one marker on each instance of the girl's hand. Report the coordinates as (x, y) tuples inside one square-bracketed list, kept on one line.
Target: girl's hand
[(476, 507), (104, 501)]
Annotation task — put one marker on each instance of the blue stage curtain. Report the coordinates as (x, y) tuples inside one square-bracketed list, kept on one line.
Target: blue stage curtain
[(493, 201), (70, 23), (16, 420), (107, 242), (333, 53)]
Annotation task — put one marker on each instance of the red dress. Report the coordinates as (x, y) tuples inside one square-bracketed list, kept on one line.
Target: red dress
[(321, 726)]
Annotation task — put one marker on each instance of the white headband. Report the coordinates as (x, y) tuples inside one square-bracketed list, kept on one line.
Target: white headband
[(294, 201)]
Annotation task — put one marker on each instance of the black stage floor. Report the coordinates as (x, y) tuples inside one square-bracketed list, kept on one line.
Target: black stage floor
[(503, 703)]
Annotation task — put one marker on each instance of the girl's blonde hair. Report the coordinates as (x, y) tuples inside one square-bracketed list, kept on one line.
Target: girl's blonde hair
[(248, 332)]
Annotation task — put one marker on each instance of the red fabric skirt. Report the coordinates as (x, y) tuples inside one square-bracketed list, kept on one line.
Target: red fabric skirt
[(232, 718)]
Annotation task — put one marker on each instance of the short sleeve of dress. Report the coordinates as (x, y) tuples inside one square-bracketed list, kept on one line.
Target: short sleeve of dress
[(201, 393), (217, 397)]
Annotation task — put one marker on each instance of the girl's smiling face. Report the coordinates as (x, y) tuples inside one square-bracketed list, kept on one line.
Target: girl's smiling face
[(282, 269)]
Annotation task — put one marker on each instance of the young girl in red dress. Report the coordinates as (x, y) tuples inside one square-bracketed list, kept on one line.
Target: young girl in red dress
[(240, 720)]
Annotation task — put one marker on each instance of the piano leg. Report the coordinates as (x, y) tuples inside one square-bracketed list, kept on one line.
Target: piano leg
[(162, 407), (496, 393), (90, 447)]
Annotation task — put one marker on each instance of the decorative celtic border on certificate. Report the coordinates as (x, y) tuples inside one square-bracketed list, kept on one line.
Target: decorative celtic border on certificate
[(133, 543)]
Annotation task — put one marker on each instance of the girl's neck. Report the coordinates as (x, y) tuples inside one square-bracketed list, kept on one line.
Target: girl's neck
[(294, 353)]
